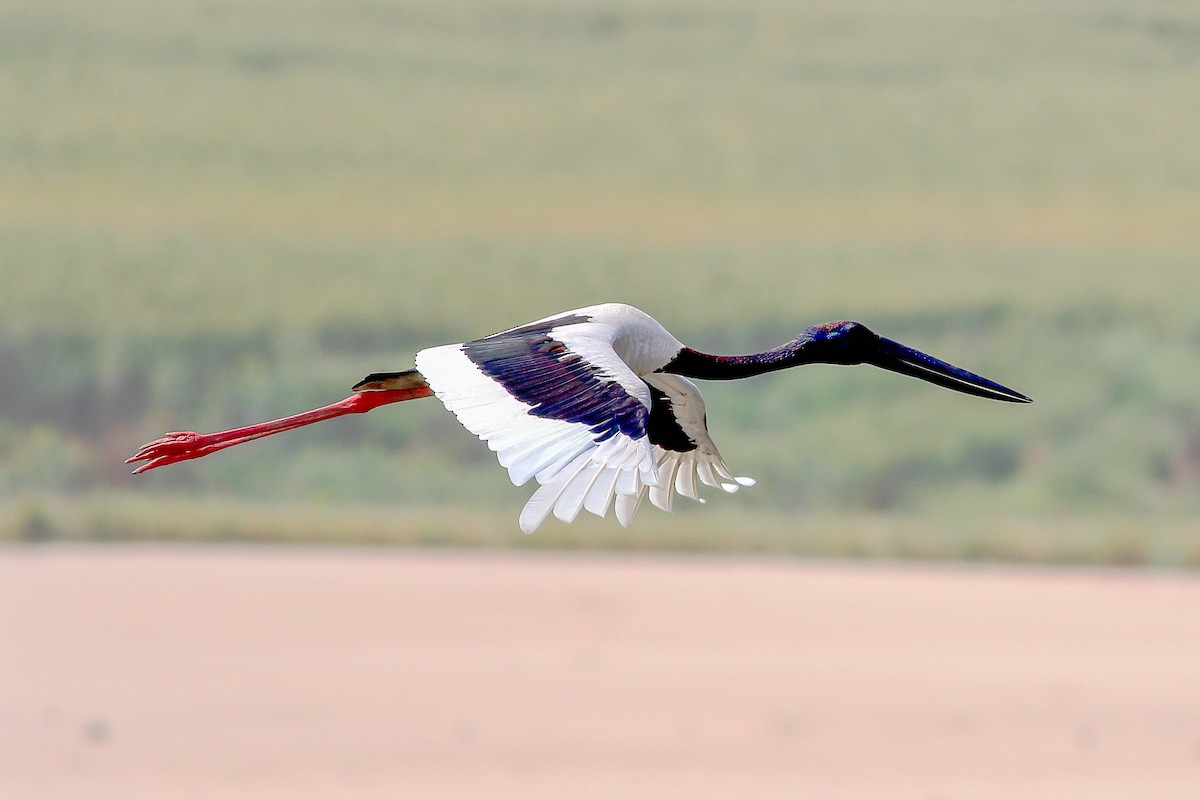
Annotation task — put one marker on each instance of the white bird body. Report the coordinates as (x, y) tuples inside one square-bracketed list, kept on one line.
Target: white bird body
[(594, 404), (615, 350)]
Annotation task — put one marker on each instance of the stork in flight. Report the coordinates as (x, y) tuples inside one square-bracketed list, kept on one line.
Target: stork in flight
[(595, 404)]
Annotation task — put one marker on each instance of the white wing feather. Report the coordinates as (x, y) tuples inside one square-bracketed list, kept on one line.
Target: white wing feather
[(679, 471), (575, 471)]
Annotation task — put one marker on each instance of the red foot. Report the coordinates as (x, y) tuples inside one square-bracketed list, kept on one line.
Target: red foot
[(177, 446)]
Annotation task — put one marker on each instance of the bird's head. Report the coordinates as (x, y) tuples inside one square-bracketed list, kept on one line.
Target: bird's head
[(841, 342), (847, 342)]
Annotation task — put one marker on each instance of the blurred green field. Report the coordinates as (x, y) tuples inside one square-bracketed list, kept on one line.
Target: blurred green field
[(213, 213)]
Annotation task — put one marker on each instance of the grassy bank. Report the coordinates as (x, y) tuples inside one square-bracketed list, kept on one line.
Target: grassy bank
[(1172, 542), (213, 214)]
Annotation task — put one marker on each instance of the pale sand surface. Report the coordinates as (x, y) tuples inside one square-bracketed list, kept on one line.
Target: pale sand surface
[(278, 673)]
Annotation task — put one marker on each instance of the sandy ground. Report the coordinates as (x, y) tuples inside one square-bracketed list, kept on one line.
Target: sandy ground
[(277, 673)]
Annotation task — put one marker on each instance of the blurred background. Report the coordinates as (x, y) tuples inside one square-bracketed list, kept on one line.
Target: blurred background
[(214, 213)]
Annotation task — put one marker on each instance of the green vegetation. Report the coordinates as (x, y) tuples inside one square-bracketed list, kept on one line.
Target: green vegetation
[(215, 213)]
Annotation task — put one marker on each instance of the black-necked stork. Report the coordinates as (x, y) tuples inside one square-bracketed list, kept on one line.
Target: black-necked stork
[(595, 404)]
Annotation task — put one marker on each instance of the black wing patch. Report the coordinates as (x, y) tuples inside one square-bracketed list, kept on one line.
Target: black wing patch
[(557, 383), (664, 429)]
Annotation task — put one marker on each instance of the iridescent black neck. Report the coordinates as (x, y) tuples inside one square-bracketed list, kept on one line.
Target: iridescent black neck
[(694, 364), (831, 343)]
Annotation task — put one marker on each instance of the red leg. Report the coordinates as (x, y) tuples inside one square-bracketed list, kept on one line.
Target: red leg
[(184, 445)]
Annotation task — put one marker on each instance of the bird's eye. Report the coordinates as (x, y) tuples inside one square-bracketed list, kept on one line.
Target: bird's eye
[(840, 330)]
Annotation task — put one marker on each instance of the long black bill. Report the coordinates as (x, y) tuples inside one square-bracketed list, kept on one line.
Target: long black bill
[(898, 358)]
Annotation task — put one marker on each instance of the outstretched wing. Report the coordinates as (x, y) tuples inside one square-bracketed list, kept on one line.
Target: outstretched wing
[(683, 450), (556, 403)]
